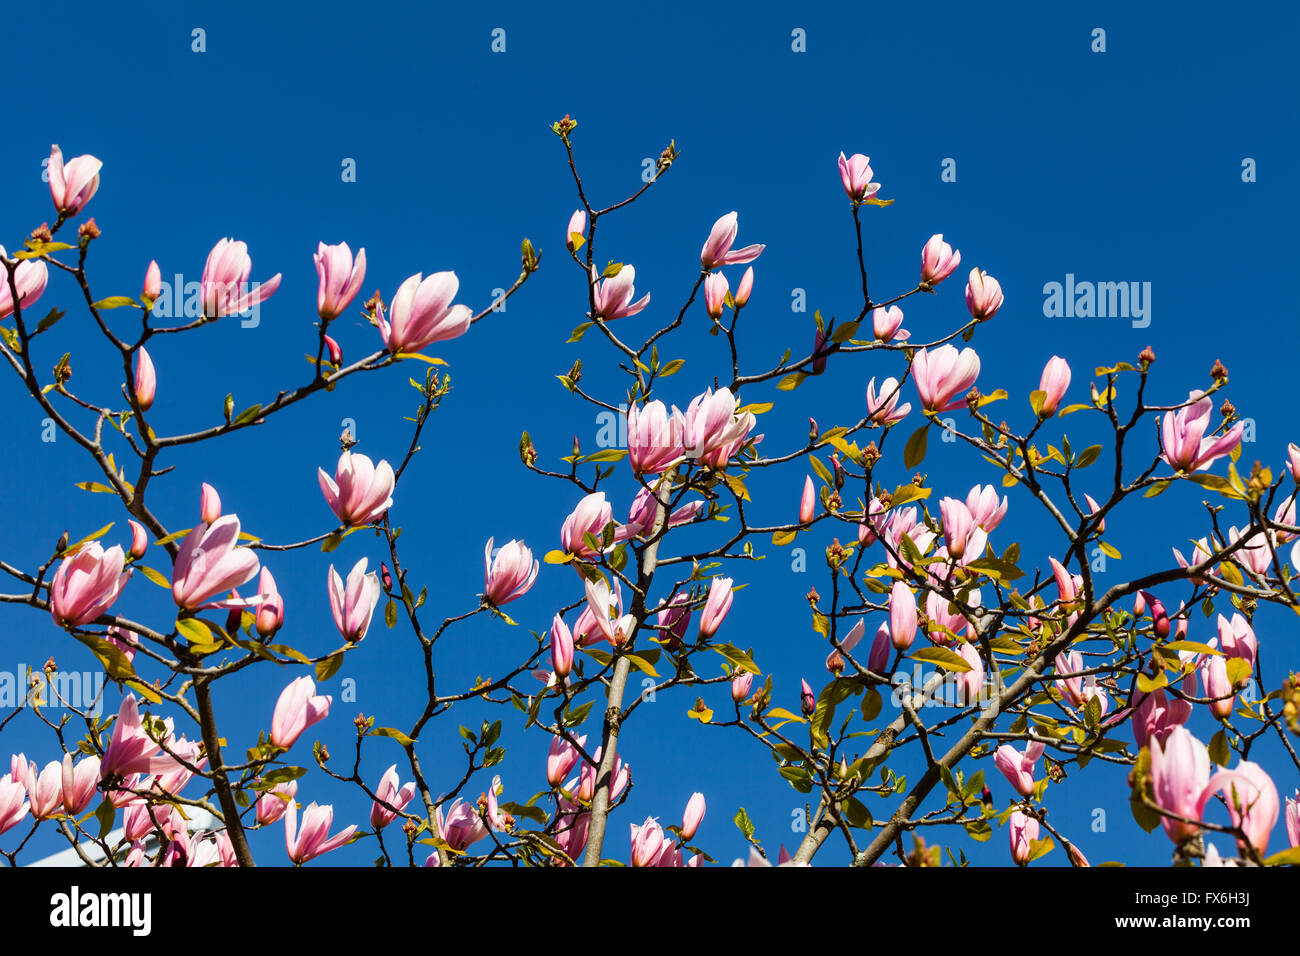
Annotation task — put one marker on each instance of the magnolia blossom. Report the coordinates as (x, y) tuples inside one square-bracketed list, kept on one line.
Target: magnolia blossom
[(46, 791), (714, 430), (1293, 819), (613, 295), (297, 708), (1180, 771), (131, 749), (508, 576), (902, 616), (87, 583), (741, 296), (1071, 685), (561, 758), (715, 294), (1251, 797), (561, 648), (72, 184), (983, 295), (575, 233), (268, 615), (885, 324), (13, 803), (224, 288), (393, 794), (30, 278), (353, 603), (654, 437), (944, 376), (938, 260), (1156, 716), (210, 561), (1023, 831), (741, 681), (855, 175), (78, 783), (982, 503), (717, 249), (340, 278), (146, 380), (313, 839), (1182, 435), (1055, 380), (834, 660), (1019, 767), (462, 826), (422, 313), (644, 511), (963, 537), (716, 607), (882, 406), (360, 492), (1216, 685), (591, 516), (273, 802)]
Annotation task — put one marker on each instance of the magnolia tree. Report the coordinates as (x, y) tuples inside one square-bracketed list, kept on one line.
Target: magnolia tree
[(1038, 666)]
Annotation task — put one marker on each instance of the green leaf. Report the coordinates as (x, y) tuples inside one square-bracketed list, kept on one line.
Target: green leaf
[(393, 732), (1219, 750), (738, 658), (329, 666), (914, 451), (114, 302), (248, 414), (942, 657), (780, 538), (105, 815), (791, 381), (742, 821), (1088, 456)]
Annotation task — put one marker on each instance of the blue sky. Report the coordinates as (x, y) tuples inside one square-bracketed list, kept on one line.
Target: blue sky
[(1117, 166)]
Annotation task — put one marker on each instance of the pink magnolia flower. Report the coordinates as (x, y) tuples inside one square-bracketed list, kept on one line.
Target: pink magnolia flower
[(1252, 800), (1180, 771), (1070, 685), (353, 604), (963, 537), (1216, 686), (902, 616), (1293, 819), (152, 287), (834, 660), (209, 561), (717, 249), (982, 503), (561, 649), (606, 609), (86, 584), (268, 617), (881, 645), (510, 575), (674, 618), (807, 501), (1292, 450), (1182, 436), (574, 235), (13, 803), (641, 516), (591, 516), (1093, 508), (297, 708), (714, 430), (1237, 638), (983, 295), (1023, 830), (334, 350), (390, 792), (741, 681), (1092, 690), (422, 313), (855, 175), (72, 184), (561, 758), (807, 699), (209, 504), (273, 802), (885, 324), (224, 288), (882, 406), (462, 827), (971, 682), (78, 783), (613, 295), (654, 437), (938, 260), (123, 640), (1055, 380), (30, 278), (146, 380), (648, 843), (715, 294), (360, 492), (743, 291), (139, 539), (313, 839), (716, 607), (1019, 767), (1155, 717), (131, 750), (944, 376), (340, 278), (693, 816), (46, 794)]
